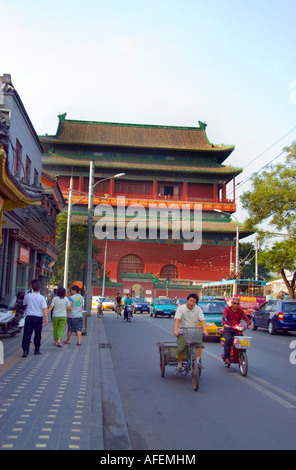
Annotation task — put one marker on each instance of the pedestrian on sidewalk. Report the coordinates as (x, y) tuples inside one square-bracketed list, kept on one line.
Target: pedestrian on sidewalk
[(50, 299), (61, 307), (36, 309), (75, 316)]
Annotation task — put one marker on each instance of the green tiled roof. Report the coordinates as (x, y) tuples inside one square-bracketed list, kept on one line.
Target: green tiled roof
[(136, 136)]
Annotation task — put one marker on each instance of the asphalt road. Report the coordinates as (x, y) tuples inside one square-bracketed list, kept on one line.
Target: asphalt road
[(228, 412)]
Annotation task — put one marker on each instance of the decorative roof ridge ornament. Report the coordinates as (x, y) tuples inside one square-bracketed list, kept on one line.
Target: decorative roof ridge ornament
[(62, 117), (202, 125)]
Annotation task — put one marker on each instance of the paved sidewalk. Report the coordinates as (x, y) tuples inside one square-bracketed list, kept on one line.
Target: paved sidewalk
[(66, 398)]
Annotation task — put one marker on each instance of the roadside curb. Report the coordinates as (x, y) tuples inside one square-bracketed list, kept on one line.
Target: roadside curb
[(115, 431)]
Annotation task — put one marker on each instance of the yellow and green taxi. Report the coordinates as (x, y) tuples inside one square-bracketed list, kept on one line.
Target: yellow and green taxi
[(213, 311)]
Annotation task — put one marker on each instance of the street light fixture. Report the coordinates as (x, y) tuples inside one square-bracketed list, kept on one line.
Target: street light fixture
[(88, 290), (237, 240), (89, 230)]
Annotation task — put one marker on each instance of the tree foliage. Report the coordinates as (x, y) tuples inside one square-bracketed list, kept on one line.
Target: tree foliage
[(272, 199)]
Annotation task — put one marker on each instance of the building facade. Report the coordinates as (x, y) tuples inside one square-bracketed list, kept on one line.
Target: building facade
[(29, 200), (173, 182)]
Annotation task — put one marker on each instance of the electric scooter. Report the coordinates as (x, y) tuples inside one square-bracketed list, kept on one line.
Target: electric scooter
[(129, 312), (12, 315), (238, 350)]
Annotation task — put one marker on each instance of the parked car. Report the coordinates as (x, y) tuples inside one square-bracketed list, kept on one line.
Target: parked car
[(163, 306), (275, 315), (141, 305), (213, 312)]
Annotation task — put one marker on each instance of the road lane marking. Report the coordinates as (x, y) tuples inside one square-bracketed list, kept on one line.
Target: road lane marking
[(273, 387), (266, 392)]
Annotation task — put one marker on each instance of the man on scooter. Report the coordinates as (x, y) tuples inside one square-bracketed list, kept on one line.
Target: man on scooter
[(127, 301), (232, 316)]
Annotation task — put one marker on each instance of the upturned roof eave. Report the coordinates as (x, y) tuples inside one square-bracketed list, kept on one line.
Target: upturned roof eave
[(11, 188), (214, 149), (54, 159)]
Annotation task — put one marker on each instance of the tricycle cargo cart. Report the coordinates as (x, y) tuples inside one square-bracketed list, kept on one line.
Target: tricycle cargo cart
[(168, 355)]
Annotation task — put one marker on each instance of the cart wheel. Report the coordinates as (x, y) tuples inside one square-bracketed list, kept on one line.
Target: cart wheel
[(162, 365), (195, 375), (243, 363)]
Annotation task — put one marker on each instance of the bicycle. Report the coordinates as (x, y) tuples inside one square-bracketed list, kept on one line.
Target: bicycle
[(100, 310), (118, 311)]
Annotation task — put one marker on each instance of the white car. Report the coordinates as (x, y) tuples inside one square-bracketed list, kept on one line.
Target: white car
[(107, 304)]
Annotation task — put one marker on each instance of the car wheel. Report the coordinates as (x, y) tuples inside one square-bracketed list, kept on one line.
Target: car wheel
[(271, 328)]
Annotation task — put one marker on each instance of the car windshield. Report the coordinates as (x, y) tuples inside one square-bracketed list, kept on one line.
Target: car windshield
[(140, 300), (212, 307), (289, 307), (164, 302), (181, 301)]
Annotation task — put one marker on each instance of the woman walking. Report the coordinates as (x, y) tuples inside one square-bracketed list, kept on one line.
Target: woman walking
[(61, 306)]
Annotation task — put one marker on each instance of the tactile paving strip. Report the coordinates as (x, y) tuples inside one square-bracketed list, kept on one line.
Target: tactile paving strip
[(46, 401)]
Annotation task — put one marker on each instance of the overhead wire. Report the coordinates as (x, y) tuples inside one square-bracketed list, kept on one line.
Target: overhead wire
[(241, 183)]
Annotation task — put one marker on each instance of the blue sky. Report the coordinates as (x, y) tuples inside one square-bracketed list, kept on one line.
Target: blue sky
[(230, 63)]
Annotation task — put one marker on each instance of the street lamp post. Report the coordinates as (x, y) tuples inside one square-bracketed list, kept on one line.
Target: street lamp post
[(89, 231), (104, 272), (67, 248), (237, 241), (88, 290)]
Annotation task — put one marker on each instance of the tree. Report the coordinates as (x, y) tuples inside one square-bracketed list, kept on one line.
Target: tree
[(273, 200), (77, 255)]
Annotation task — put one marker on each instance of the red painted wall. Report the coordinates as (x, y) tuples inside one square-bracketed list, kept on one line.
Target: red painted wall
[(209, 263)]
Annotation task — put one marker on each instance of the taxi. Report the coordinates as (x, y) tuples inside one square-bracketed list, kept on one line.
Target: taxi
[(107, 304), (213, 311)]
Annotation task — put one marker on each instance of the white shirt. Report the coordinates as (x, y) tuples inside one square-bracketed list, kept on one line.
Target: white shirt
[(187, 317), (60, 306), (35, 303)]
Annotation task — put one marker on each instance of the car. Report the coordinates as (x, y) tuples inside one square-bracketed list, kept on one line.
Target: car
[(96, 299), (107, 304), (163, 306), (141, 305), (213, 311), (275, 315), (179, 302)]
